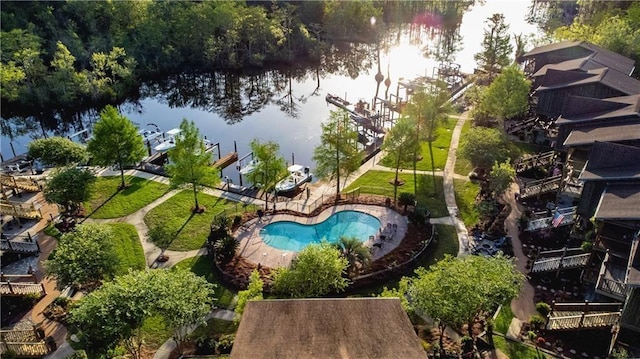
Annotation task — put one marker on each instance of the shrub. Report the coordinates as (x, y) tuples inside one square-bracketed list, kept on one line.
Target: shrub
[(586, 246), (537, 321), (543, 308), (225, 343), (79, 354)]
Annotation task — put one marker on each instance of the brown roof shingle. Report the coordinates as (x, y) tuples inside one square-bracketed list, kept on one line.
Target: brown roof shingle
[(359, 328), (614, 133), (620, 201), (600, 54), (612, 161)]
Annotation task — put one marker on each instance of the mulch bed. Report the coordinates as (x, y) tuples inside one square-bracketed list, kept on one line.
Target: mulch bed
[(236, 272)]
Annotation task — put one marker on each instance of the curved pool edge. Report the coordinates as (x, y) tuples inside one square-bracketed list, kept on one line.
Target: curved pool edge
[(253, 249)]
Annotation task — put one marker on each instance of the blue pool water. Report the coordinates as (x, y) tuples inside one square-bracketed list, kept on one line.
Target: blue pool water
[(291, 236)]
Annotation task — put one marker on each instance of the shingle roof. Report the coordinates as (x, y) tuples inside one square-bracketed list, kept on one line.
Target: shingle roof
[(613, 133), (601, 54), (612, 161), (620, 201), (326, 328), (591, 62), (581, 109), (616, 80)]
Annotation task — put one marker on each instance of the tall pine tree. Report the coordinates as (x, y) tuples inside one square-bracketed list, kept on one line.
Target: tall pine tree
[(497, 47)]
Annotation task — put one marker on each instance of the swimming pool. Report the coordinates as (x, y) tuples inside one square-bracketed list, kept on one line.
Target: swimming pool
[(292, 236)]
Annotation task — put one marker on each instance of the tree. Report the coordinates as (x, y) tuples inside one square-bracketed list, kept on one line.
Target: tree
[(253, 292), (115, 313), (83, 257), (430, 107), (401, 145), (337, 154), (115, 141), (270, 165), (57, 151), (69, 187), (316, 271), (483, 146), (455, 291), (496, 46), (190, 163), (508, 94), (355, 252), (501, 177)]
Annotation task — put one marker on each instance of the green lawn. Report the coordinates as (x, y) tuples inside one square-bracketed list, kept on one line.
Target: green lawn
[(155, 332), (446, 243), (128, 247), (516, 349), (466, 193), (107, 202), (503, 320), (518, 149), (463, 166), (377, 182), (190, 230), (203, 266), (440, 149)]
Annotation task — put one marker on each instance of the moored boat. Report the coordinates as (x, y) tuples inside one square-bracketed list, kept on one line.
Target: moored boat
[(298, 175), (249, 167), (169, 141)]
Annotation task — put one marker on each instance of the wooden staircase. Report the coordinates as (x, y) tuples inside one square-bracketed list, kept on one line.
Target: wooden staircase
[(542, 159), (21, 210), (16, 285), (21, 183), (25, 343), (7, 245), (555, 260), (541, 186), (570, 316)]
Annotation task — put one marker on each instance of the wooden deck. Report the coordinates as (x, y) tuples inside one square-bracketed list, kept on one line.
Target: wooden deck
[(537, 187), (13, 246), (24, 343), (20, 183), (20, 289), (539, 160), (226, 160), (559, 263), (21, 210)]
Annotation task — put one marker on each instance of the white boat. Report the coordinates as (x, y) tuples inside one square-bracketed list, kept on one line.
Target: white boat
[(169, 140), (249, 167), (149, 135), (298, 175)]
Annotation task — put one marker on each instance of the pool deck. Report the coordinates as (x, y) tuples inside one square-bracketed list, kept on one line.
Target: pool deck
[(255, 250)]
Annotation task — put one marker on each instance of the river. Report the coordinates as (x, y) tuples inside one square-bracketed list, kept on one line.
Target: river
[(298, 131)]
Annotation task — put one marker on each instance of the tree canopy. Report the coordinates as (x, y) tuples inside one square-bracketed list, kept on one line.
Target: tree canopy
[(115, 141), (270, 165), (507, 96), (190, 162), (83, 257), (57, 151), (355, 252), (483, 146), (115, 312), (455, 291), (501, 177), (496, 45), (401, 145), (316, 271), (253, 292), (337, 155), (69, 187)]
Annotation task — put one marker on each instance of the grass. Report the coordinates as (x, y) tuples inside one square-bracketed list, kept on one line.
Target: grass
[(155, 332), (440, 149), (517, 350), (128, 247), (203, 266), (466, 193), (446, 243), (463, 166), (377, 182), (190, 230), (107, 202), (503, 320), (518, 149)]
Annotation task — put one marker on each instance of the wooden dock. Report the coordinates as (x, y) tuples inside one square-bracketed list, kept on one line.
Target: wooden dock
[(225, 161)]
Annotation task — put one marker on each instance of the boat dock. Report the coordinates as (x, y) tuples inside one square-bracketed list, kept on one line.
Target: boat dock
[(225, 161)]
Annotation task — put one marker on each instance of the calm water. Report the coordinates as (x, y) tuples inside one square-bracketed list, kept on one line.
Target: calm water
[(297, 130), (291, 236)]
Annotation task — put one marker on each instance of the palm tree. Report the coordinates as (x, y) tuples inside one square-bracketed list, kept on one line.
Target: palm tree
[(356, 254)]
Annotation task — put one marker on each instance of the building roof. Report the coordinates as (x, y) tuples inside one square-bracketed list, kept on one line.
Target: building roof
[(576, 109), (326, 328), (619, 202), (591, 62), (600, 54), (612, 161), (557, 79), (613, 133)]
